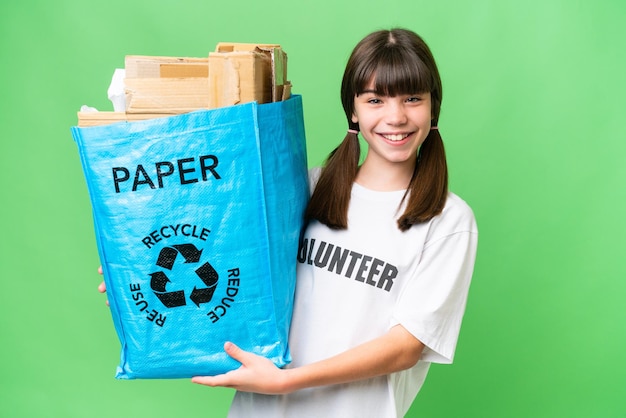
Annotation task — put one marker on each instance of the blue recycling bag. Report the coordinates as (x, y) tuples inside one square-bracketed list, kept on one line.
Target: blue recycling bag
[(197, 220)]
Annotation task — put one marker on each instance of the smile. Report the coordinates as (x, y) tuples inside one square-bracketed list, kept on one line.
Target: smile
[(395, 137)]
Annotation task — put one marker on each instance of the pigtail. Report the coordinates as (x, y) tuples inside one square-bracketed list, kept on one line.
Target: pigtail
[(428, 189), (331, 197)]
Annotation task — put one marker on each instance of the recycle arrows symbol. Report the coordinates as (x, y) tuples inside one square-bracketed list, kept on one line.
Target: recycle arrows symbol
[(206, 273), (158, 282), (167, 256), (209, 276)]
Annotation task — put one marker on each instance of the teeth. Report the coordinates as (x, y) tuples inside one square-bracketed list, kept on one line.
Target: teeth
[(398, 137)]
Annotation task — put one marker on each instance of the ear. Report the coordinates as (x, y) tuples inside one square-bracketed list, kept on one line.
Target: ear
[(354, 119)]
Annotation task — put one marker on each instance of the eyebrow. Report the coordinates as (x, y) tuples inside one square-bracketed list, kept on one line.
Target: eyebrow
[(369, 91)]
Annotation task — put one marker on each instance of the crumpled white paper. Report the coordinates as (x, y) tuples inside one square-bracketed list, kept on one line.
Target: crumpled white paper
[(115, 93), (116, 90)]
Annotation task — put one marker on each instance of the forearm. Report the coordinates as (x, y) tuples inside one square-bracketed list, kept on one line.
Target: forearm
[(395, 351)]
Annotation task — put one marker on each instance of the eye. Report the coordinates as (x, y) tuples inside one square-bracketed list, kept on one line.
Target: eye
[(374, 100), (414, 99)]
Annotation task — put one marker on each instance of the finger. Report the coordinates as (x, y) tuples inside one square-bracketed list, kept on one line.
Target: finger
[(102, 288), (236, 353), (100, 270), (228, 379), (201, 380), (211, 381)]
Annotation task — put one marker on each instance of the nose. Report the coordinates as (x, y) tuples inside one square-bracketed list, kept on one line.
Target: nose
[(396, 113)]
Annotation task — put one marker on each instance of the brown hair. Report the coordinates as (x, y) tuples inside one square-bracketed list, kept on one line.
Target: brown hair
[(399, 62)]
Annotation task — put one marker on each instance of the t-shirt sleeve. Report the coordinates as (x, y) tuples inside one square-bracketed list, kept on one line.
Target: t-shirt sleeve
[(432, 305)]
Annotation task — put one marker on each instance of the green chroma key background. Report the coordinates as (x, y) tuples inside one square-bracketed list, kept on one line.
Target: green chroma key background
[(533, 121)]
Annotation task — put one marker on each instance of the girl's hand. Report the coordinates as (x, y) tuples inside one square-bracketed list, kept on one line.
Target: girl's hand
[(102, 288), (394, 351), (256, 374)]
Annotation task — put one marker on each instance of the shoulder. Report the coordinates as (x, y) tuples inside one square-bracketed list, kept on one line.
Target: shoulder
[(457, 206), (457, 216)]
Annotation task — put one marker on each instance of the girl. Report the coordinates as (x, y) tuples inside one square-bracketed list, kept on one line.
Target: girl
[(385, 264)]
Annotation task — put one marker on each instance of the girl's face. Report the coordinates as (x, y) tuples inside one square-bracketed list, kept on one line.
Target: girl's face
[(393, 127)]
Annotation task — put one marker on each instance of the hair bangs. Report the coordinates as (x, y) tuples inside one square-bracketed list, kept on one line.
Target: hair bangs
[(394, 71)]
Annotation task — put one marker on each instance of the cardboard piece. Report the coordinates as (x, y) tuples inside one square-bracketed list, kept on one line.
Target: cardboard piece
[(235, 73), (166, 95), (86, 119), (139, 66), (166, 85), (240, 73)]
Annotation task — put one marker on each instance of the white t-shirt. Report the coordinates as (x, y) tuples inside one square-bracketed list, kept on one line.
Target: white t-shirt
[(354, 285)]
